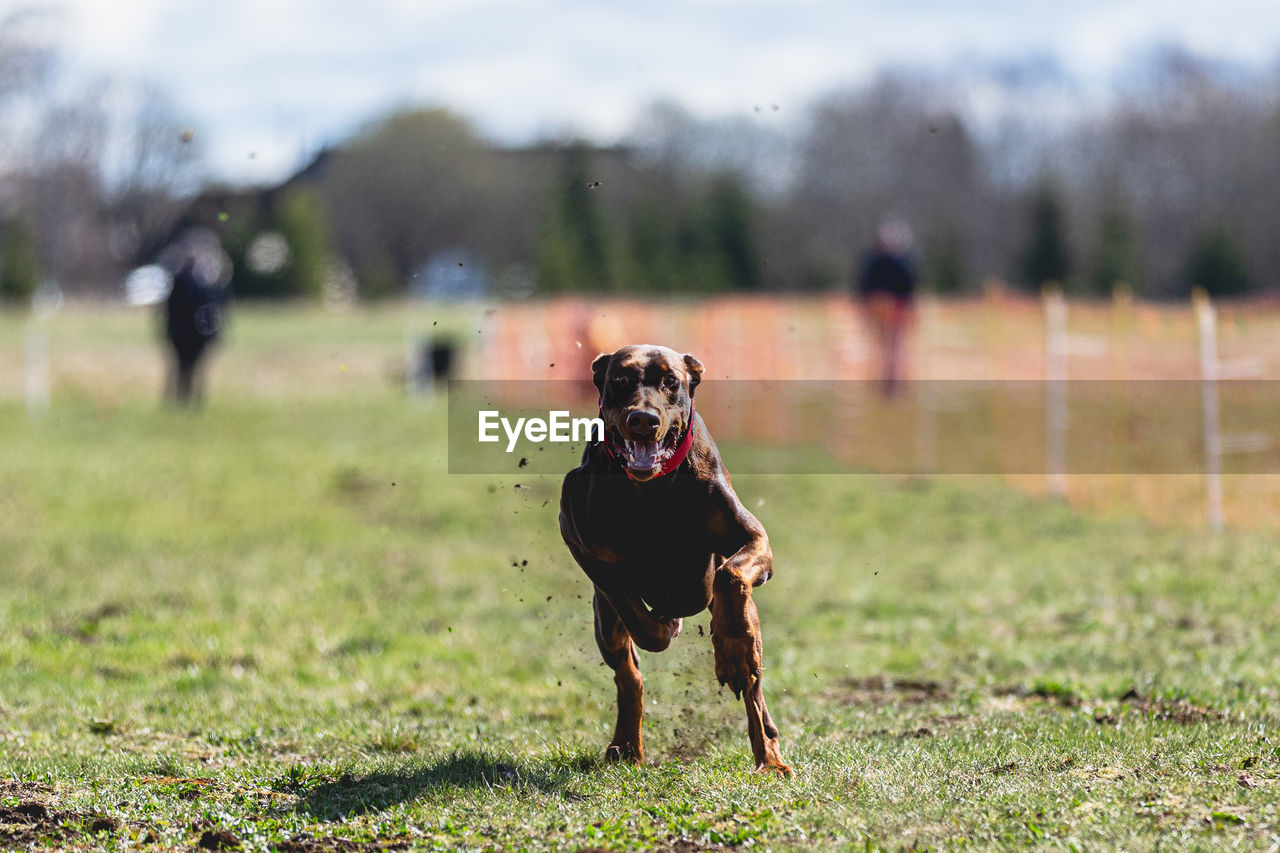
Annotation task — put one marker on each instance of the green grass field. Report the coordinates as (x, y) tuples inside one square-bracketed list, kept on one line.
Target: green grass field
[(278, 623)]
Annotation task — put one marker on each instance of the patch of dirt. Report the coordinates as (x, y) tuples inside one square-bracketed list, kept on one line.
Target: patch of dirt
[(687, 746), (905, 734), (183, 788), (23, 789), (1052, 693), (84, 627), (218, 839), (686, 846), (1172, 710), (1105, 713), (31, 823), (883, 690), (304, 843), (213, 837)]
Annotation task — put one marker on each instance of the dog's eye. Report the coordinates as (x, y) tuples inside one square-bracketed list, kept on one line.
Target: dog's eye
[(669, 381), (622, 379)]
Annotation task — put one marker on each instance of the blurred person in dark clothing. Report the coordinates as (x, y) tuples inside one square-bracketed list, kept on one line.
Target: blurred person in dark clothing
[(193, 317), (886, 288)]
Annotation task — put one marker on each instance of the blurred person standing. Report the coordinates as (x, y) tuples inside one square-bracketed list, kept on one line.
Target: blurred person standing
[(886, 288), (194, 310)]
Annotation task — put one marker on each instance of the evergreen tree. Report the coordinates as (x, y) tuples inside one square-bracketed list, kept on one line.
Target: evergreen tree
[(945, 265), (1117, 259), (19, 266), (1217, 264), (302, 222), (727, 222), (574, 251), (556, 262), (712, 246), (1046, 257), (282, 256), (655, 265)]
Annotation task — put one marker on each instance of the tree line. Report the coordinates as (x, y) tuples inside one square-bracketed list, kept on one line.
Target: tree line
[(1167, 184)]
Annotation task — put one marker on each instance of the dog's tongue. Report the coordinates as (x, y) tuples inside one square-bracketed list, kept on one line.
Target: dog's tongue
[(642, 455)]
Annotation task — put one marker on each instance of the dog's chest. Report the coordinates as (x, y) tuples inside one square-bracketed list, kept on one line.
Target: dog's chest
[(665, 551), (663, 530)]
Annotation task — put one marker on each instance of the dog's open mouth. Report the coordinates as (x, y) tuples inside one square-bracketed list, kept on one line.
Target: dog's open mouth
[(645, 457)]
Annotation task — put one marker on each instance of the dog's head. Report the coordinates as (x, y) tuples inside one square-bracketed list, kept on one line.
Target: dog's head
[(646, 402)]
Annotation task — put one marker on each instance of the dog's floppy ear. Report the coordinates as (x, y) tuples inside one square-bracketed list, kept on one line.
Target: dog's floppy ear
[(598, 368), (694, 367)]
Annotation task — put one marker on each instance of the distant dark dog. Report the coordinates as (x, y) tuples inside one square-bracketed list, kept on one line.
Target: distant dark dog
[(652, 519)]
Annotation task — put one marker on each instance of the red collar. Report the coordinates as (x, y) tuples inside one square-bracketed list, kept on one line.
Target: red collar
[(673, 461)]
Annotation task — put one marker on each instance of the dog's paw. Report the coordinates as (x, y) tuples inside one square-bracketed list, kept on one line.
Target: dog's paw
[(666, 628), (737, 661), (776, 768), (617, 753)]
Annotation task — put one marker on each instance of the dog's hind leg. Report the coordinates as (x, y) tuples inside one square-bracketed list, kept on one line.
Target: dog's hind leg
[(621, 656)]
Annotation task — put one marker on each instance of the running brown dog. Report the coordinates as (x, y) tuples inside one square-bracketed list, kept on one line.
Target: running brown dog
[(651, 517)]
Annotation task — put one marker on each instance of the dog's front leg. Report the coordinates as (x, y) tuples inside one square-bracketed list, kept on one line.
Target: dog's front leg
[(735, 625), (735, 631), (647, 631), (620, 655), (739, 648)]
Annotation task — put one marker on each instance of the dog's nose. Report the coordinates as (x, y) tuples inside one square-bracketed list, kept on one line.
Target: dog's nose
[(642, 424)]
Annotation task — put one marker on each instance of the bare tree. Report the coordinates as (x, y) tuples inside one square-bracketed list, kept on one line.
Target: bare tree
[(898, 148), (25, 55), (405, 188), (25, 60), (161, 168), (61, 192)]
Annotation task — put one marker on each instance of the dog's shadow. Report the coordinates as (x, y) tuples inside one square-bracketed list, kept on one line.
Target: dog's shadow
[(371, 792)]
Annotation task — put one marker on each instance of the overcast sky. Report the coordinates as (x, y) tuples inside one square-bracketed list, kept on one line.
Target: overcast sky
[(267, 82)]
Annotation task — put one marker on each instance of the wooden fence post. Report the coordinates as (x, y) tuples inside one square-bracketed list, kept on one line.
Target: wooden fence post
[(1216, 442), (1055, 397), (1207, 332), (36, 358)]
